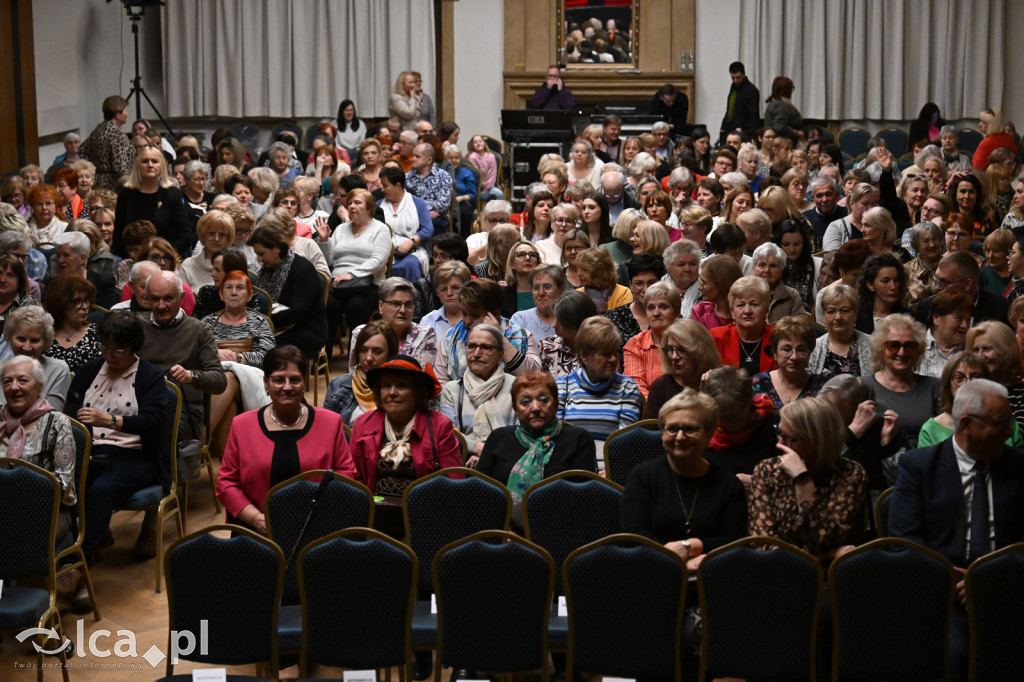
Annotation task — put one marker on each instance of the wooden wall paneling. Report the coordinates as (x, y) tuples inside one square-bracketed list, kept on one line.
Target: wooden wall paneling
[(515, 30), (18, 121)]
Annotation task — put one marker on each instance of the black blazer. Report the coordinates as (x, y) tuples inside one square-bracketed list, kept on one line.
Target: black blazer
[(165, 209), (988, 307), (928, 500)]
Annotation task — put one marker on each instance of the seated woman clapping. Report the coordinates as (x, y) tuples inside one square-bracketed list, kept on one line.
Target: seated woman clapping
[(243, 338), (34, 431), (481, 400), (808, 495), (540, 445), (350, 395), (683, 500)]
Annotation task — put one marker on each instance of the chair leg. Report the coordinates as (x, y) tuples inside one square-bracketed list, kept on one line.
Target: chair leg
[(184, 497), (159, 545), (213, 478), (88, 585)]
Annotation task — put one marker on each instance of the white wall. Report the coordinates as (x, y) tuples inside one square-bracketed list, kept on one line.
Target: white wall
[(83, 53), (479, 60), (718, 45)]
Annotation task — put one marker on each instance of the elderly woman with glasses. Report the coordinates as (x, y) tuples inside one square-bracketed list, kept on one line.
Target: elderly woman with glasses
[(481, 400), (897, 349), (216, 231), (769, 264), (792, 339), (547, 283), (68, 300), (685, 500), (197, 175), (448, 280), (949, 318), (843, 349), (396, 300), (808, 495), (641, 360), (687, 352), (564, 219), (926, 241)]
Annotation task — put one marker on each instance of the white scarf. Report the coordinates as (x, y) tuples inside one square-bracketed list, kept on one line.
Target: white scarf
[(397, 449), (491, 405), (404, 222)]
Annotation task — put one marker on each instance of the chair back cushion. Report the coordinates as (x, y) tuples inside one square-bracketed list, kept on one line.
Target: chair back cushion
[(995, 607), (631, 447), (26, 518)]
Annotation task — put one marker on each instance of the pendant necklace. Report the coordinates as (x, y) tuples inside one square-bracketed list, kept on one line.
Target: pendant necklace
[(750, 353), (693, 506)]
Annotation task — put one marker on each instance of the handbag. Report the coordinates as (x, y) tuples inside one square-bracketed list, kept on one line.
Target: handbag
[(234, 345), (190, 451), (355, 283)]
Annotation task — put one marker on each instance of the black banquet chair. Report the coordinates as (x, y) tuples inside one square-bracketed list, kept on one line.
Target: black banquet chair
[(995, 613), (371, 579), (29, 502), (234, 585), (630, 446), (892, 601), (625, 595), (779, 583), (69, 551), (498, 626)]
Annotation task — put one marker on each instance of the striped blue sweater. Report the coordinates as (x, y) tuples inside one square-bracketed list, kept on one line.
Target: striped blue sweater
[(600, 409)]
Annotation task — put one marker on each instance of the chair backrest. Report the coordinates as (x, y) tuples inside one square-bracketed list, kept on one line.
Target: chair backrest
[(463, 444), (439, 510), (325, 283), (371, 579), (234, 584), (278, 129), (882, 505), (29, 500), (343, 503), (625, 595), (169, 433), (568, 510), (83, 453), (782, 586), (995, 612), (896, 140), (629, 446), (472, 606), (493, 144), (892, 602), (853, 141), (264, 301), (968, 141)]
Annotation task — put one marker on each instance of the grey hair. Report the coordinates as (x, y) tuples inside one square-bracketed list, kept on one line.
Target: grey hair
[(680, 176), (949, 129), (678, 248), (408, 137), (138, 267), (619, 178), (820, 180), (733, 179), (37, 367), (13, 239), (499, 338), (279, 147), (928, 152), (970, 398), (770, 249), (225, 197), (846, 387), (193, 166), (612, 166), (747, 153), (659, 125), (71, 136), (922, 228), (497, 206), (78, 241), (535, 188), (393, 284), (642, 164), (11, 220), (30, 317)]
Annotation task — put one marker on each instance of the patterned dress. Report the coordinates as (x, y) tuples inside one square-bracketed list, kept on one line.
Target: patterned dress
[(111, 151), (87, 348)]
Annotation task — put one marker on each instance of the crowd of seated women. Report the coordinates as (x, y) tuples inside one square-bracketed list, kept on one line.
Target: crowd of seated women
[(793, 332)]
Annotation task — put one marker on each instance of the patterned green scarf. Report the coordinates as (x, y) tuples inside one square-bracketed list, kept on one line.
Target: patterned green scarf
[(530, 467)]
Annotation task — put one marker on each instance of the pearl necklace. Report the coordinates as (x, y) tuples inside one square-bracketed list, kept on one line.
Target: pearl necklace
[(302, 413)]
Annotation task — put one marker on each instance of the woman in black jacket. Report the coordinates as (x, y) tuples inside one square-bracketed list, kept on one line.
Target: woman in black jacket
[(151, 194), (297, 291)]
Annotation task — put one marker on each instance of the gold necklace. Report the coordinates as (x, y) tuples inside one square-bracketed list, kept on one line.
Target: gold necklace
[(687, 514)]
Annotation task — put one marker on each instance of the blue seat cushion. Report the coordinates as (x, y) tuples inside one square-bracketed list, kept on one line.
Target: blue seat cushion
[(424, 625), (22, 606), (289, 628), (147, 497)]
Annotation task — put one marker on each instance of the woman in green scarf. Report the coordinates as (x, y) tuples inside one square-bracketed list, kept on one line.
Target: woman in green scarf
[(540, 445)]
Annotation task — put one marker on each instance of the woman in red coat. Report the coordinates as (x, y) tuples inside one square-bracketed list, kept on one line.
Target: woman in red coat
[(279, 441), (403, 439), (746, 344)]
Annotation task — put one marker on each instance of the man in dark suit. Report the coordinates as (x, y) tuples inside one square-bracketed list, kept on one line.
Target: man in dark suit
[(964, 497), (960, 270)]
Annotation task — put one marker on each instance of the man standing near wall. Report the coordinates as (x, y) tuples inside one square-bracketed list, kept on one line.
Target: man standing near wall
[(743, 107)]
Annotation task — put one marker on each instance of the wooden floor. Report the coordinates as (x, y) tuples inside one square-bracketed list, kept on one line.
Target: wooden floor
[(128, 602)]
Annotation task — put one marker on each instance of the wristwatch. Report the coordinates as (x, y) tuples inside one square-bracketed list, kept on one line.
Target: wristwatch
[(113, 423)]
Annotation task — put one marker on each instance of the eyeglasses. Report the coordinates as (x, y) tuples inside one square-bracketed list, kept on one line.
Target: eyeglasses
[(943, 283), (243, 233), (199, 178), (895, 346), (80, 303), (401, 305), (543, 287), (957, 235), (281, 381), (23, 257), (688, 431), (996, 423), (560, 221), (287, 202), (845, 310), (482, 347), (159, 258), (216, 235), (959, 378), (496, 221), (527, 254), (675, 350), (929, 211), (116, 352), (792, 350)]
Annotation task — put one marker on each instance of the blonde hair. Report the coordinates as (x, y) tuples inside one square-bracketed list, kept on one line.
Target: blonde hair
[(134, 180), (653, 238), (881, 218), (698, 342), (994, 119), (689, 399), (817, 421), (216, 218), (900, 321), (746, 286), (626, 223), (1007, 367), (597, 333)]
